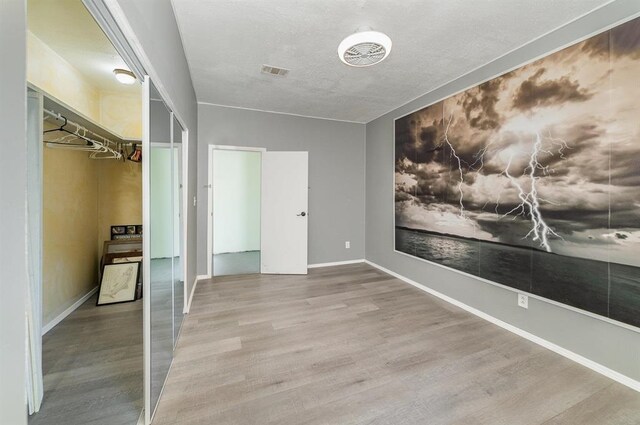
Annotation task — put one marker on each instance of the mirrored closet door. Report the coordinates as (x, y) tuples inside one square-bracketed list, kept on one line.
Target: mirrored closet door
[(160, 237), (165, 266)]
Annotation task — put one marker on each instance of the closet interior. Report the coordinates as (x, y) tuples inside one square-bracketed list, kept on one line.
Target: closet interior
[(91, 242), (85, 167), (106, 285), (86, 129)]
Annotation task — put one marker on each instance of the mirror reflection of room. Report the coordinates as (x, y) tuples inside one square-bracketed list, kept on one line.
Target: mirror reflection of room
[(165, 238), (85, 129), (236, 212), (162, 244)]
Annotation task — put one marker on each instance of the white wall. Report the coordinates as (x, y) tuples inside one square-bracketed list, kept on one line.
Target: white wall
[(13, 192), (236, 201), (165, 234), (160, 198)]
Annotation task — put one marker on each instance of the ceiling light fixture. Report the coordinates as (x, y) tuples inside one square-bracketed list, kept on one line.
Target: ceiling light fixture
[(124, 76), (365, 47)]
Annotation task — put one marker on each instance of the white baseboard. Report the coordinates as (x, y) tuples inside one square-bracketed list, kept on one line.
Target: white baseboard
[(60, 317), (193, 290), (597, 367), (336, 263), (203, 276)]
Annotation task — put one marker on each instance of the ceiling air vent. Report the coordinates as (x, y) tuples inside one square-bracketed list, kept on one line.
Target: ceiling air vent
[(272, 70)]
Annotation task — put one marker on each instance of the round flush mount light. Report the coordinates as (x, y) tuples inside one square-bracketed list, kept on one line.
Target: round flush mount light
[(124, 76), (365, 47)]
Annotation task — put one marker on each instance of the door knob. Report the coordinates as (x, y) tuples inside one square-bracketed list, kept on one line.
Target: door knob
[(302, 214)]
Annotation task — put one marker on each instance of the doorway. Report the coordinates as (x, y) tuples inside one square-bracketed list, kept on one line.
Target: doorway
[(234, 210), (257, 211)]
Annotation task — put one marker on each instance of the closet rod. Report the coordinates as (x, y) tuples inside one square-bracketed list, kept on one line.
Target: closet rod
[(111, 148), (61, 117)]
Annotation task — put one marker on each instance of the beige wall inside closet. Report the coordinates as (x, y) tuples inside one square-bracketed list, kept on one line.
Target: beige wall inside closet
[(82, 197)]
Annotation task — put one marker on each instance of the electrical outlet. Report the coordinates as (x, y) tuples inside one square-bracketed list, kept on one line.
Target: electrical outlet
[(347, 244), (195, 201), (523, 300)]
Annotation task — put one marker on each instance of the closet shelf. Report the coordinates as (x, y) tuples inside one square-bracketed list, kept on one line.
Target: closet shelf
[(84, 121)]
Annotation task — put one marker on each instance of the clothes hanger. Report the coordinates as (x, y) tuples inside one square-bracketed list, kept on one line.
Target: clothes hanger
[(108, 153), (64, 130), (80, 140), (68, 141)]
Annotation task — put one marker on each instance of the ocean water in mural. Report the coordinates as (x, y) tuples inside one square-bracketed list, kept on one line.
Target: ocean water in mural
[(532, 179)]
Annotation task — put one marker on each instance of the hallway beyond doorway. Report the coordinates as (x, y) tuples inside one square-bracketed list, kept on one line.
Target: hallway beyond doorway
[(231, 263)]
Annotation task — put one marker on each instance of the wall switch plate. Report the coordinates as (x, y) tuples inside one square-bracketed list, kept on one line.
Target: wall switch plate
[(347, 244), (194, 201), (523, 300)]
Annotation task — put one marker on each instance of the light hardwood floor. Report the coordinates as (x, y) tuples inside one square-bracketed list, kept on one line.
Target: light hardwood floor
[(352, 345), (92, 364)]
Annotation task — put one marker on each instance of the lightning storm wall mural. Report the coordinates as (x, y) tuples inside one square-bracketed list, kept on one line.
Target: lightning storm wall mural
[(532, 179)]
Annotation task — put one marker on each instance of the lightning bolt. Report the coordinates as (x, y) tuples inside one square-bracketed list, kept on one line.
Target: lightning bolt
[(530, 200), (562, 145), (455, 155)]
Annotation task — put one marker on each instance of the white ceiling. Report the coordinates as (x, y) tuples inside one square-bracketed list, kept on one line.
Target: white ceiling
[(69, 29), (434, 41)]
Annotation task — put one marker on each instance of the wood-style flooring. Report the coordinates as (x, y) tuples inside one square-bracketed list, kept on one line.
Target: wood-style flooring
[(230, 263), (92, 364), (352, 345)]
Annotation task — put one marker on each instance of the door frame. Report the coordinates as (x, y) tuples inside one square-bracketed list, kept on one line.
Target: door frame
[(210, 229)]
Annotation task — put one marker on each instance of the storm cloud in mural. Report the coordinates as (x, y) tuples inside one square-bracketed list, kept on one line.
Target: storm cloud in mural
[(532, 179)]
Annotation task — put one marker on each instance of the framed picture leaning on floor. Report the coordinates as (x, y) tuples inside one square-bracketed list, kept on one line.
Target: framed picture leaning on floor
[(118, 283)]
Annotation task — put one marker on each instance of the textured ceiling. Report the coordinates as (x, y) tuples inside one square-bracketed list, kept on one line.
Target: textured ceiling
[(434, 41), (69, 29)]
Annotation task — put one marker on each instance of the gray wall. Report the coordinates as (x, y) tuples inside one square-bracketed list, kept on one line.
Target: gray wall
[(336, 172), (608, 344), (13, 192), (154, 24)]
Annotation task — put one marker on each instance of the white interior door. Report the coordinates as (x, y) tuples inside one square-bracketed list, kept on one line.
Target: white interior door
[(285, 186)]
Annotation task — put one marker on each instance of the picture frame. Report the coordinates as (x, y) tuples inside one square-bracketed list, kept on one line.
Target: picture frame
[(126, 231), (118, 230), (122, 246), (118, 283)]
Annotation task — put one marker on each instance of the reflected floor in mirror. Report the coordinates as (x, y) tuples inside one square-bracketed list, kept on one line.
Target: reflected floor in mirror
[(161, 324), (92, 365), (231, 263)]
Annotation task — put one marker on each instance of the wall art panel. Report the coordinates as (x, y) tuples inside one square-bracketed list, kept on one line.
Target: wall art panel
[(532, 179)]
